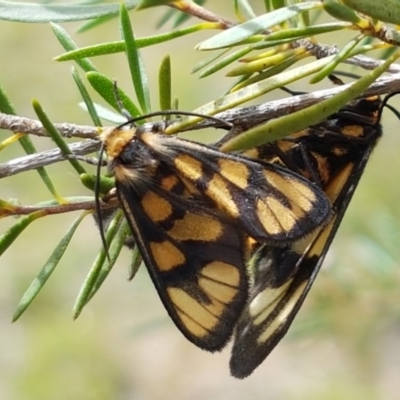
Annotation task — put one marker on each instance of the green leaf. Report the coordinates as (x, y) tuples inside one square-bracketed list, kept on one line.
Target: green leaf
[(250, 92), (7, 208), (164, 84), (135, 62), (225, 61), (119, 46), (93, 51), (6, 105), (36, 286), (44, 13), (263, 63), (278, 128), (165, 18), (273, 71), (243, 10), (26, 142), (272, 40), (106, 113), (105, 88), (298, 33), (136, 262), (255, 26), (10, 140), (8, 238), (338, 58), (86, 26), (341, 12), (386, 11), (114, 252), (89, 181), (277, 4), (207, 61), (56, 136), (90, 281), (86, 98), (153, 3), (66, 41)]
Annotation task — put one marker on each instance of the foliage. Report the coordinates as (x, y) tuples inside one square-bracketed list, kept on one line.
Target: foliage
[(261, 50)]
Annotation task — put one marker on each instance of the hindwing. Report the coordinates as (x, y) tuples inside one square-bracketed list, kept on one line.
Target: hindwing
[(334, 152)]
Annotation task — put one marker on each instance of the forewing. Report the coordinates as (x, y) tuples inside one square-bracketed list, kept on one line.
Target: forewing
[(195, 258), (273, 204)]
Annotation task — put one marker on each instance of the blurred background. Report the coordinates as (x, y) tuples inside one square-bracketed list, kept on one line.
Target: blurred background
[(344, 343)]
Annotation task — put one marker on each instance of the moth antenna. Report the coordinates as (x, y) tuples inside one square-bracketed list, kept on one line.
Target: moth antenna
[(88, 160), (228, 125), (97, 201), (120, 105), (391, 108)]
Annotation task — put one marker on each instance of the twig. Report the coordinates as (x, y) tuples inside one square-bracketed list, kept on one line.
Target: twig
[(195, 10), (33, 161), (34, 127), (244, 118)]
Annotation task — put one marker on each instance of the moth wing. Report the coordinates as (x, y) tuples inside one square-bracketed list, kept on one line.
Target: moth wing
[(195, 259), (271, 203), (279, 291), (284, 276)]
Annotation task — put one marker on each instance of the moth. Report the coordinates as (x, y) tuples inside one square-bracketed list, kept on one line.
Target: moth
[(194, 213), (332, 154)]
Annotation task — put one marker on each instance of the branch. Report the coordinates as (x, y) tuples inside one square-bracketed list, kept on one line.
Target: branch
[(319, 50), (248, 117), (244, 118), (51, 209), (195, 10), (34, 161), (35, 127)]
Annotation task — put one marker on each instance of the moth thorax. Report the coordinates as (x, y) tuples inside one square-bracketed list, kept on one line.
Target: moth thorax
[(137, 155), (115, 140)]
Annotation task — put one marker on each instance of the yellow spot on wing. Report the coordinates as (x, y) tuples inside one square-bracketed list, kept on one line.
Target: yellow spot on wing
[(190, 189), (192, 326), (323, 169), (204, 319), (222, 272), (265, 302), (237, 173), (219, 192), (296, 192), (285, 217), (267, 218), (156, 207), (169, 182), (252, 153), (336, 184), (196, 227), (307, 198), (219, 281), (353, 130), (166, 255), (320, 243), (188, 166), (283, 314), (218, 291)]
